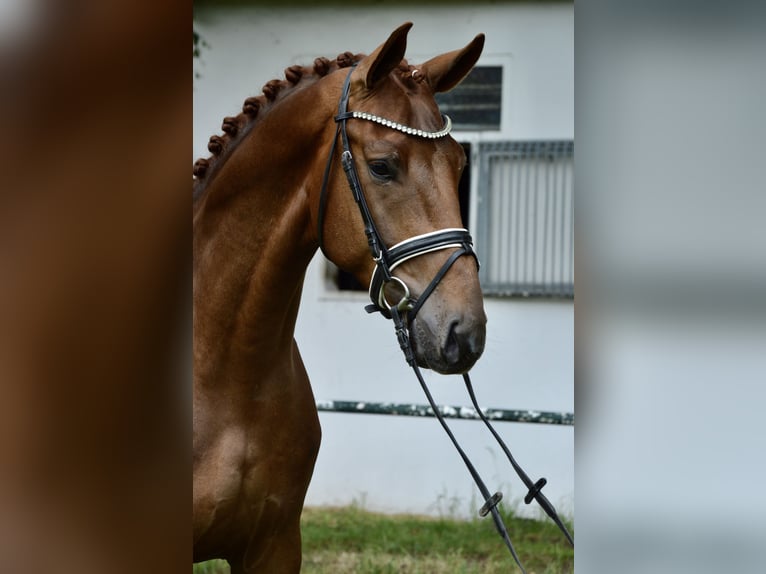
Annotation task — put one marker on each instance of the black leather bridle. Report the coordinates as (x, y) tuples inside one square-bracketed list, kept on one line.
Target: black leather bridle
[(386, 260), (403, 312)]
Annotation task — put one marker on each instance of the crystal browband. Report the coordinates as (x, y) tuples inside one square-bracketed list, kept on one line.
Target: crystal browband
[(406, 129)]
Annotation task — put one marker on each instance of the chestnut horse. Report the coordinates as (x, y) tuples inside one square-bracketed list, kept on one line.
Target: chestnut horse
[(257, 225)]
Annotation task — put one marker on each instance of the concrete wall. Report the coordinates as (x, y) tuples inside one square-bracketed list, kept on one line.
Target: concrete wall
[(405, 464)]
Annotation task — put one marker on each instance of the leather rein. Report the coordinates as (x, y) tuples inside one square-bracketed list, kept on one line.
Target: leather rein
[(403, 312)]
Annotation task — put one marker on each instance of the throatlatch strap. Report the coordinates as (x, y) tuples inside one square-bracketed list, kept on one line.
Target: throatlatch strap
[(323, 192)]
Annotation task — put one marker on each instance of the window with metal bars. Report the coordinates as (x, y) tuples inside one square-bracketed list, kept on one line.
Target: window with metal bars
[(525, 236)]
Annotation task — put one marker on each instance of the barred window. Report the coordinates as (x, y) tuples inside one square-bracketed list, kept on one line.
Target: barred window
[(525, 218)]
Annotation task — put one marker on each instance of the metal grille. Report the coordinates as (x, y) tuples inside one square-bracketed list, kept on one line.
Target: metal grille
[(525, 218)]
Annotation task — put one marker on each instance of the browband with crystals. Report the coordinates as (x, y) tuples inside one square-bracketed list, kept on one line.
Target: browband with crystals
[(405, 129)]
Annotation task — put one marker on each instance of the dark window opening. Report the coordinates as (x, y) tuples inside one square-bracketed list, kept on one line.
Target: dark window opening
[(464, 187), (347, 282)]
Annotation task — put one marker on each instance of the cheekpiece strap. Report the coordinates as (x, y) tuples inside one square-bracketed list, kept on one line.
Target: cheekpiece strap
[(387, 259)]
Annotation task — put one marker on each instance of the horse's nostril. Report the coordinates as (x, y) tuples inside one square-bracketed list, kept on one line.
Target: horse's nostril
[(452, 345), (462, 345)]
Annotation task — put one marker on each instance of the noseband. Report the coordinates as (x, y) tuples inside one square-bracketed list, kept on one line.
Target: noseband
[(386, 260)]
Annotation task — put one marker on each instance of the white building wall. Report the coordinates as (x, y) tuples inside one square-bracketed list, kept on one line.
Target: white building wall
[(403, 464)]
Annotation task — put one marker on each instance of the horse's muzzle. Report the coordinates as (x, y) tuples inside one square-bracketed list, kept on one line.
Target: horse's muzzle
[(451, 346)]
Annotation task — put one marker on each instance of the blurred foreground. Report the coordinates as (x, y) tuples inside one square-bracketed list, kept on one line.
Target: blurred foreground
[(95, 108)]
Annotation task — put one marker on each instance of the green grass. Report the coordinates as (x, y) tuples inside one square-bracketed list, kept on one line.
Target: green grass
[(351, 540)]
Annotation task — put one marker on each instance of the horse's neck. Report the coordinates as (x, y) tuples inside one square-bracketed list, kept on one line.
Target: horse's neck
[(253, 239)]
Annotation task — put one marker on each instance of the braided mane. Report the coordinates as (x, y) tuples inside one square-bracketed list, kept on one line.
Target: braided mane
[(236, 127)]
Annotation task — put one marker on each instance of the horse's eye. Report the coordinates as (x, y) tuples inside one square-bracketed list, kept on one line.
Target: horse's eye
[(380, 170)]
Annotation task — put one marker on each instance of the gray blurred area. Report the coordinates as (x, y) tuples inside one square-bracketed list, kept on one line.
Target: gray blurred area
[(671, 272)]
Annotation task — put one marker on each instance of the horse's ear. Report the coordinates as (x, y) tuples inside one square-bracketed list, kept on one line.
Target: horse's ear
[(385, 58), (448, 70)]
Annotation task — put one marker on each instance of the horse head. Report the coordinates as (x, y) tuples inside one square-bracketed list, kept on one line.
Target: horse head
[(408, 169)]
